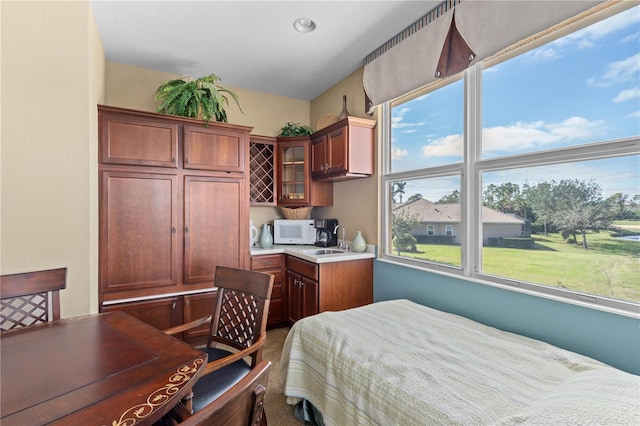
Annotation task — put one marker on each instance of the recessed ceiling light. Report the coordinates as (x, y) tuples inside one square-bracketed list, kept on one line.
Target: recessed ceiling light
[(304, 25)]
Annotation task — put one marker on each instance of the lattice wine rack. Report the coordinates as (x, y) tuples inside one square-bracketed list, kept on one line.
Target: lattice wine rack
[(262, 159)]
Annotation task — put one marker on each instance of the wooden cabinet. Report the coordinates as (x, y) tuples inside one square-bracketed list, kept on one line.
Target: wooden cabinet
[(295, 187), (273, 264), (195, 306), (263, 154), (160, 313), (138, 236), (344, 150), (334, 286), (173, 204), (171, 311)]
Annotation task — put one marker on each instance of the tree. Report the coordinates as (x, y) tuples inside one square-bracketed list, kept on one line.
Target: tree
[(414, 197), (453, 198), (579, 207), (540, 199), (397, 188), (402, 224), (505, 198)]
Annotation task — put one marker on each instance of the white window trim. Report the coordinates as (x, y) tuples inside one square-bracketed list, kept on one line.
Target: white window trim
[(470, 171)]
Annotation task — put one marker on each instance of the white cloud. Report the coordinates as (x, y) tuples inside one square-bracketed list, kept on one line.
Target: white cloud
[(590, 35), (635, 115), (450, 145), (620, 71), (626, 95), (398, 153), (538, 135)]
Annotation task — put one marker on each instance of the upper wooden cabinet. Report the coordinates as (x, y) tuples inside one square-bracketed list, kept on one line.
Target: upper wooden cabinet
[(343, 150), (137, 140), (295, 186), (213, 148)]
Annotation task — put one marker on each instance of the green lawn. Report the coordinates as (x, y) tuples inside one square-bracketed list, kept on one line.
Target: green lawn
[(609, 267)]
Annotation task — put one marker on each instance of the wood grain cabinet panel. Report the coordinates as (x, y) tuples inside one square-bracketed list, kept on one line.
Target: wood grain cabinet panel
[(160, 313), (139, 215), (273, 264), (214, 148), (126, 139)]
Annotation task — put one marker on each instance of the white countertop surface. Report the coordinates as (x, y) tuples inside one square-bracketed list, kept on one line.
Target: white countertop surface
[(297, 251)]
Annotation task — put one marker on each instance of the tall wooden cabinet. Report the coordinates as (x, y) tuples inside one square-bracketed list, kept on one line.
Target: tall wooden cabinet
[(173, 205)]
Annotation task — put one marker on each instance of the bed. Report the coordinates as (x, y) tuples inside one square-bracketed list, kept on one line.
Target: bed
[(400, 363)]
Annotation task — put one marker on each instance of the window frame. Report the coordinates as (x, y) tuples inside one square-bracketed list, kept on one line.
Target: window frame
[(471, 169)]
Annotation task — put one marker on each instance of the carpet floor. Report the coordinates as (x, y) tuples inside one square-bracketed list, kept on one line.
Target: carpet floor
[(278, 412)]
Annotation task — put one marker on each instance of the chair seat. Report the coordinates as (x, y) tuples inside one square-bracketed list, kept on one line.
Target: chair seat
[(211, 386)]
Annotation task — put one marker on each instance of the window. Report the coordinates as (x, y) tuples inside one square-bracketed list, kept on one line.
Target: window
[(525, 171), (448, 230)]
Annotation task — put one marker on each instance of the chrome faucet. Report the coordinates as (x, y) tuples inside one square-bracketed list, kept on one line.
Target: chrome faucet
[(341, 243)]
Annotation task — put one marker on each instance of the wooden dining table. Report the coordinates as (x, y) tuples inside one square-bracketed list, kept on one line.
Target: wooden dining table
[(107, 369)]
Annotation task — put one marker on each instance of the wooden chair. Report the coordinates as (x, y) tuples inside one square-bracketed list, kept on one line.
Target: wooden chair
[(30, 298), (238, 323), (241, 405)]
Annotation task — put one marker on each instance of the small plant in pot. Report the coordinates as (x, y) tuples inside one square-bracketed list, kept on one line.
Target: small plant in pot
[(200, 98), (295, 129)]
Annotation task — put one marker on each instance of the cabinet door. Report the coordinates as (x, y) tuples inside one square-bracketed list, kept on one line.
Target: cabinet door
[(196, 306), (138, 238), (309, 295), (213, 235), (293, 172), (137, 141), (160, 313), (337, 151), (214, 148), (294, 296), (319, 158)]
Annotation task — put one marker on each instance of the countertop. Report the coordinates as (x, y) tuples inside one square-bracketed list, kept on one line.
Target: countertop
[(297, 251)]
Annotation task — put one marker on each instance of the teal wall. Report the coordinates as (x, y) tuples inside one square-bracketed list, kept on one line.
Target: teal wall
[(612, 339)]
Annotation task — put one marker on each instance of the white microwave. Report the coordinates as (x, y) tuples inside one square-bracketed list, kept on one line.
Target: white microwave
[(293, 231)]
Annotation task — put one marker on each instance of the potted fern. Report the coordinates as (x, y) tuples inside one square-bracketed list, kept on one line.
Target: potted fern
[(295, 129), (200, 98)]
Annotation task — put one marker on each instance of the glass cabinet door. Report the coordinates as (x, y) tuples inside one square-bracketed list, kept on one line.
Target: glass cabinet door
[(293, 188)]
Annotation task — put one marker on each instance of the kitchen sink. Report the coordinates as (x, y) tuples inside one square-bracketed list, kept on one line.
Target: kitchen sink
[(320, 252)]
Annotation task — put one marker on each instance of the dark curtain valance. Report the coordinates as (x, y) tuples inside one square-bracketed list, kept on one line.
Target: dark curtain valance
[(437, 45)]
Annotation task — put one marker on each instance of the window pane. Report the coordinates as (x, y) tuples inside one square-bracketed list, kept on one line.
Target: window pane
[(427, 131), (579, 89), (422, 212), (574, 226)]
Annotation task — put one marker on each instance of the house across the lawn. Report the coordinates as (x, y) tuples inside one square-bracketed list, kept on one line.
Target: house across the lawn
[(443, 220)]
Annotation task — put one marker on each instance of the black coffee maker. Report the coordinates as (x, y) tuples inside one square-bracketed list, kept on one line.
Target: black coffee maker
[(325, 232)]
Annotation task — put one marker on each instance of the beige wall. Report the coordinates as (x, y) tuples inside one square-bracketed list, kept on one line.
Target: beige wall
[(52, 78), (355, 202), (134, 87)]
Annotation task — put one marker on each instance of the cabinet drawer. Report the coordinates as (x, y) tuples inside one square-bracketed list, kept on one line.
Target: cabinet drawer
[(269, 261), (302, 267)]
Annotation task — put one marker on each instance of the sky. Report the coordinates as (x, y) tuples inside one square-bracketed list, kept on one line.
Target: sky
[(579, 89)]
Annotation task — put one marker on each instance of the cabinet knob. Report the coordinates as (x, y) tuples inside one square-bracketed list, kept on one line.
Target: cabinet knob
[(173, 306), (173, 230), (186, 229), (173, 160), (186, 161)]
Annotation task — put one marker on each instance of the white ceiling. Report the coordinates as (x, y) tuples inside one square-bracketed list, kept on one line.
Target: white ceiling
[(252, 44)]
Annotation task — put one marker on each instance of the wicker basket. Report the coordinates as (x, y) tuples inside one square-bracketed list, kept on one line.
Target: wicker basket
[(296, 212)]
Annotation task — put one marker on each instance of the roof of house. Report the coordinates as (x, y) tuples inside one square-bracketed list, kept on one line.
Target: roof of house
[(450, 213)]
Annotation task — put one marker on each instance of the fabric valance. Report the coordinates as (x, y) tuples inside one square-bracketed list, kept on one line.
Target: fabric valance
[(415, 56)]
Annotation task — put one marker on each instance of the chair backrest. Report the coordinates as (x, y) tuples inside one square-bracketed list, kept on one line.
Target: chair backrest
[(242, 307), (241, 405), (30, 298)]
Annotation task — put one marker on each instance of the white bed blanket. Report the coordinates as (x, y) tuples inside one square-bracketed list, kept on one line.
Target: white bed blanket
[(400, 363)]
